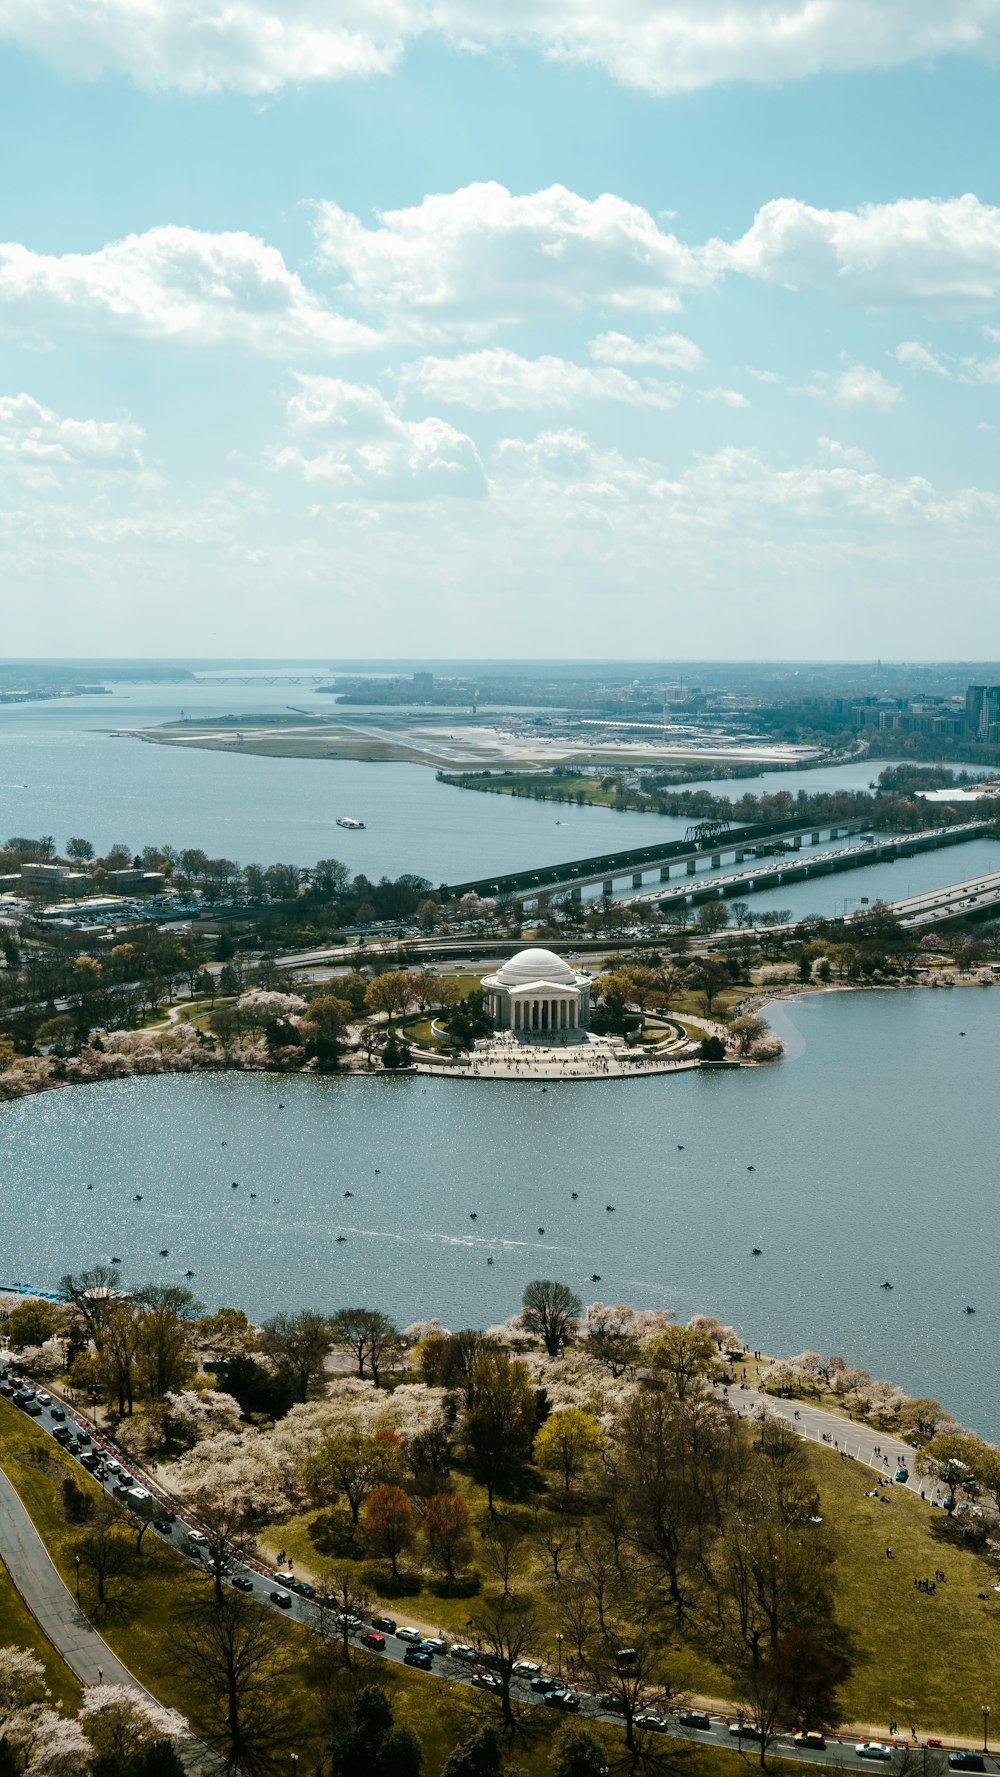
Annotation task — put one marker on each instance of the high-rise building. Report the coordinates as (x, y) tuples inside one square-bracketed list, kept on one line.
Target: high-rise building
[(982, 712)]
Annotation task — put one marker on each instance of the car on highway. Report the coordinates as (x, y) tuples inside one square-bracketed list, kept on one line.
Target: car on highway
[(419, 1657), (283, 1578), (653, 1723), (57, 1413), (563, 1699), (32, 1408), (487, 1681), (282, 1599), (526, 1668), (164, 1526), (810, 1737), (461, 1650), (241, 1582), (122, 1489), (46, 1399), (303, 1590), (373, 1639), (966, 1761), (694, 1718), (743, 1730), (545, 1681), (436, 1643), (873, 1749), (407, 1634), (626, 1656), (386, 1624), (62, 1434)]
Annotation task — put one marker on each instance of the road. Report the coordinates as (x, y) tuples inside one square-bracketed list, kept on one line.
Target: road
[(60, 1618)]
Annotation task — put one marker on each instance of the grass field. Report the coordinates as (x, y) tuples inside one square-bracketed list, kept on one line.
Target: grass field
[(19, 1629)]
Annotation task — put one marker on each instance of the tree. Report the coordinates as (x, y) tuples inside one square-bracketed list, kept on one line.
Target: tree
[(500, 1418), (225, 1334), (578, 1754), (223, 1522), (239, 1660), (626, 1683), (446, 1530), (503, 1631), (746, 1031), (551, 1310), (707, 975), (372, 1745), (166, 1327), (298, 1345), (326, 1019), (123, 1726), (567, 1442), (684, 1354), (388, 1525), (32, 1323), (103, 1548), (480, 1754), (713, 916), (369, 1334), (389, 993), (351, 1464)]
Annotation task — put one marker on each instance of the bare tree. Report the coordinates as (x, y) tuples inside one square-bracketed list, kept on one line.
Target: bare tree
[(237, 1658), (103, 1547), (626, 1673), (337, 1603), (503, 1550), (370, 1335), (298, 1345), (228, 1543), (503, 1632), (551, 1310)]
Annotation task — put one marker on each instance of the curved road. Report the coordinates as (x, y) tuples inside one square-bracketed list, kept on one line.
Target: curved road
[(86, 1653)]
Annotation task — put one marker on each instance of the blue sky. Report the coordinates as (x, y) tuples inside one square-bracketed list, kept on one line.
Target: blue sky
[(392, 328)]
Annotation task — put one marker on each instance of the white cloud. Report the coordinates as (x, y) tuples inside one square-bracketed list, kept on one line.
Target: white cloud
[(174, 284), (917, 357), (728, 397), (671, 350), (471, 259), (857, 386), (32, 437), (661, 46), (848, 454), (929, 253), (497, 378), (358, 446)]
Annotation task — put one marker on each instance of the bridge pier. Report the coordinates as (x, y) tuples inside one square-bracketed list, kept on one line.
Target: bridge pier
[(691, 866), (738, 857), (637, 879), (576, 894), (608, 888), (797, 842), (716, 860), (664, 872), (814, 837)]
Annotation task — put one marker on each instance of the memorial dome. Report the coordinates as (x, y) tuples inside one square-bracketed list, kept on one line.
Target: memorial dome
[(536, 965)]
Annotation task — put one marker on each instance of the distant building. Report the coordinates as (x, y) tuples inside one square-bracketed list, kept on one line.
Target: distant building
[(982, 712), (423, 682)]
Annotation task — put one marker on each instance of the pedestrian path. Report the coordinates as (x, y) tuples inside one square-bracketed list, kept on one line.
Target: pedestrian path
[(60, 1618)]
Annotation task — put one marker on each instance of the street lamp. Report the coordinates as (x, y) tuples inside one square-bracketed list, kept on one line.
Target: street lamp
[(559, 1642), (78, 1579), (295, 1764), (986, 1727)]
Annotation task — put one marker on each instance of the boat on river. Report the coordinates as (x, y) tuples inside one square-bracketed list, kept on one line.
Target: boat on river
[(347, 820)]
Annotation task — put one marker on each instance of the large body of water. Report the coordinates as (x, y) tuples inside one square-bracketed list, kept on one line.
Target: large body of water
[(62, 773), (873, 1145)]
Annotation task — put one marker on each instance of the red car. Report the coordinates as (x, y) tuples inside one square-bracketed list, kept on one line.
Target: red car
[(371, 1638)]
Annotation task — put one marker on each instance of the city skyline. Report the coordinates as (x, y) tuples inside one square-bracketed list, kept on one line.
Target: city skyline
[(602, 332)]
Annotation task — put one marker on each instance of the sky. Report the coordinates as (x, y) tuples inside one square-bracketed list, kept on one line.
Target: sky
[(667, 329)]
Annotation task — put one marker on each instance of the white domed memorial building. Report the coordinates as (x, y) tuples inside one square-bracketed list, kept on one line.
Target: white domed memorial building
[(536, 994)]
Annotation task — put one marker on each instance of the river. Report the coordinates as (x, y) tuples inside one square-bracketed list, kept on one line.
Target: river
[(873, 1147), (63, 773)]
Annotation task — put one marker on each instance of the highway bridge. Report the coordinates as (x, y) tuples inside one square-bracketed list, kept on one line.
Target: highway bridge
[(974, 899), (668, 856), (871, 849)]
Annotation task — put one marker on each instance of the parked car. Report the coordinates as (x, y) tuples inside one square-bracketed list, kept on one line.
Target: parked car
[(122, 1489), (371, 1638), (694, 1718), (284, 1579), (809, 1737), (461, 1650), (138, 1497), (303, 1590), (242, 1582), (744, 1731), (526, 1669), (408, 1635), (164, 1526), (487, 1681), (653, 1723), (561, 1700), (32, 1408), (58, 1413), (626, 1656), (282, 1599), (386, 1624), (436, 1643), (418, 1656), (966, 1761), (62, 1434), (873, 1749), (546, 1682), (46, 1399)]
